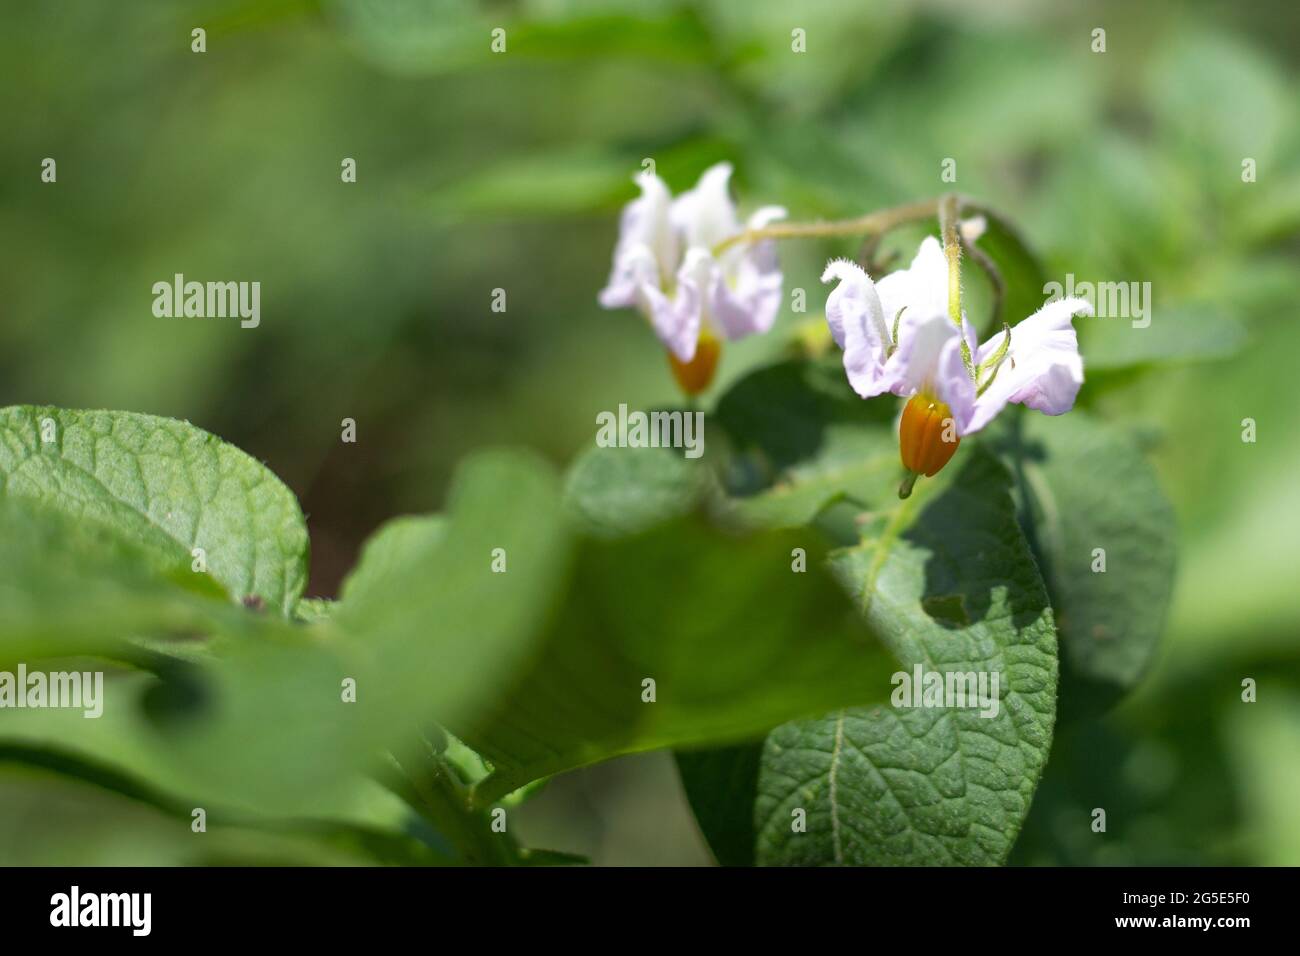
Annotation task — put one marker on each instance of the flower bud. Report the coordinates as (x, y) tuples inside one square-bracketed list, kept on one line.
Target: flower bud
[(927, 435)]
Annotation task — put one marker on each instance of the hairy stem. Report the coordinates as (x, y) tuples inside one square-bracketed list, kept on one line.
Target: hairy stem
[(428, 787), (874, 223), (949, 227)]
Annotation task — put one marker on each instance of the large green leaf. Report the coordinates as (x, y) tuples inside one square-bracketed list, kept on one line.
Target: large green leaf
[(424, 631), (733, 638), (208, 694), (1105, 538), (211, 693), (948, 583), (163, 485)]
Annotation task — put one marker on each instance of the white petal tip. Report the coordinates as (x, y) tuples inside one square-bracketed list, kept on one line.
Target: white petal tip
[(843, 269)]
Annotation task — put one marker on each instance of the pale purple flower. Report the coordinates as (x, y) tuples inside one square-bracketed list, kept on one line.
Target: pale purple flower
[(664, 264), (898, 337)]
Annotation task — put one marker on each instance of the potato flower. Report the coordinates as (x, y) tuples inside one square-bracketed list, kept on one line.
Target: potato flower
[(898, 336), (664, 265)]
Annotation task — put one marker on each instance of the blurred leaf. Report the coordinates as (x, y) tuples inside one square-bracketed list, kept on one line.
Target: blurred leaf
[(551, 184), (310, 610), (415, 36), (1022, 273), (1262, 732), (260, 693), (843, 42), (1220, 100), (722, 785), (66, 821), (394, 549), (803, 439), (437, 36), (1086, 486), (71, 586), (268, 694), (167, 485), (1187, 333), (681, 603), (733, 639), (619, 491), (953, 589), (444, 631)]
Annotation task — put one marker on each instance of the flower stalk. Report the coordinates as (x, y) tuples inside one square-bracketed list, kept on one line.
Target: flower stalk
[(872, 224)]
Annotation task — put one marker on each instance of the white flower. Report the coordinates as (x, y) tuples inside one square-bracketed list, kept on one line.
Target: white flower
[(664, 264), (898, 337)]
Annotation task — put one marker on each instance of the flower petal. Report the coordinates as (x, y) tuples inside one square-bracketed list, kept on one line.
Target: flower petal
[(952, 384), (858, 326), (746, 288), (920, 291), (678, 321), (705, 215), (929, 359), (1042, 368), (648, 248)]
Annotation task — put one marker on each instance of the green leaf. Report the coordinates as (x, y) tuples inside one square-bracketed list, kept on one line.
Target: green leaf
[(165, 485), (75, 587), (620, 491), (436, 36), (951, 587), (243, 691), (803, 439), (426, 628), (1022, 275), (264, 694), (733, 638), (444, 631), (78, 823), (1086, 486), (395, 548), (552, 183), (310, 610), (721, 785), (1193, 332)]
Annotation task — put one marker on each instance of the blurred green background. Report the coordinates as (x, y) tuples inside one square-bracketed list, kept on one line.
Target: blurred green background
[(479, 171)]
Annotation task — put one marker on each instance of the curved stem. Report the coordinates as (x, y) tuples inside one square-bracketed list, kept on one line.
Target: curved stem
[(996, 282), (873, 223)]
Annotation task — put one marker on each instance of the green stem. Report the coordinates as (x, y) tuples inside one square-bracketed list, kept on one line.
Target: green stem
[(949, 227), (873, 223), (994, 274), (905, 487), (437, 797)]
